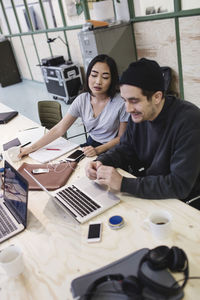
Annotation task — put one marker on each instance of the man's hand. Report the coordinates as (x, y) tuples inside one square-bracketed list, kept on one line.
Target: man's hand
[(91, 169), (89, 151), (110, 177)]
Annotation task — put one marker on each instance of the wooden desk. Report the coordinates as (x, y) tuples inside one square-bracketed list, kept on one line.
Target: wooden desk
[(55, 247)]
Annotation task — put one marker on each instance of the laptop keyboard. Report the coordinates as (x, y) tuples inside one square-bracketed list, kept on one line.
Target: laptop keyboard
[(80, 202), (6, 224)]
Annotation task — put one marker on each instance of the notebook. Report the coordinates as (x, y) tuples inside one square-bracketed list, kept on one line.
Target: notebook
[(5, 117), (10, 144), (83, 200), (14, 204), (53, 150)]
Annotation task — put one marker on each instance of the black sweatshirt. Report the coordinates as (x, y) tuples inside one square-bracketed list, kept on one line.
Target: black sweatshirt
[(164, 153)]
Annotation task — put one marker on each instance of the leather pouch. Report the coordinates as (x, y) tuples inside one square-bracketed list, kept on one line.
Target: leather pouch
[(56, 177)]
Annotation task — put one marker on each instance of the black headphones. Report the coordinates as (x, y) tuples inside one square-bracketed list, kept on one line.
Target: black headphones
[(159, 258)]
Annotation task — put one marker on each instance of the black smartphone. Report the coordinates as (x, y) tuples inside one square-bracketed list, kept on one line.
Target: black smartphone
[(94, 232), (75, 156)]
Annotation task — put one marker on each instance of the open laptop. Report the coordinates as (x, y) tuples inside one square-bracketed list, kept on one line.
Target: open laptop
[(83, 200), (14, 204), (5, 117)]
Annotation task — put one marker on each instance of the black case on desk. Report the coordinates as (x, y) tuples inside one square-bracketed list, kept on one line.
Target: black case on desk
[(126, 266), (63, 81)]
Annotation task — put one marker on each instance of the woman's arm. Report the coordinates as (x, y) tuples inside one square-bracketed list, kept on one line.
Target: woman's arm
[(57, 131), (91, 151)]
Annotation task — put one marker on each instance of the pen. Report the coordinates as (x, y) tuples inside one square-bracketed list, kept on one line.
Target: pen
[(29, 128), (25, 144), (51, 149)]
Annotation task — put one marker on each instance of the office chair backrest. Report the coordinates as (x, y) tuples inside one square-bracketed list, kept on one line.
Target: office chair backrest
[(49, 113), (167, 73)]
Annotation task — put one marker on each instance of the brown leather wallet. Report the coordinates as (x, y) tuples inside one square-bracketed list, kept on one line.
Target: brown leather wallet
[(56, 177)]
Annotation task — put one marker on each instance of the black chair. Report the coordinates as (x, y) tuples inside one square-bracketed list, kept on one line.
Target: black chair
[(167, 73)]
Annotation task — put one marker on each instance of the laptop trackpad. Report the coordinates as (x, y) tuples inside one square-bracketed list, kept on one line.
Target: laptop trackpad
[(93, 189)]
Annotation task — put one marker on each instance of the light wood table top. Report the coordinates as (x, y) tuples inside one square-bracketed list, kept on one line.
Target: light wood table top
[(55, 247)]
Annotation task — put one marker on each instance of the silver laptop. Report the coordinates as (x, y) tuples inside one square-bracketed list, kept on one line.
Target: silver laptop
[(14, 204), (83, 200)]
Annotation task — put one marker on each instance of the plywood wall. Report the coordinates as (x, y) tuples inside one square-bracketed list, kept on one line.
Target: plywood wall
[(190, 49), (156, 40)]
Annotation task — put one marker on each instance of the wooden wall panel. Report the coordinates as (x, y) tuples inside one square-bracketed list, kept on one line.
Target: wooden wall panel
[(156, 40), (20, 57), (190, 49)]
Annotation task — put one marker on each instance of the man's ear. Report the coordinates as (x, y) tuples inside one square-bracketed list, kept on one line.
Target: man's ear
[(158, 97)]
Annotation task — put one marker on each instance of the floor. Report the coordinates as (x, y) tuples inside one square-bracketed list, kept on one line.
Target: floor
[(24, 96)]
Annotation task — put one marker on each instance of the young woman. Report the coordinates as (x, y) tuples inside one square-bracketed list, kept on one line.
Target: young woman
[(101, 108)]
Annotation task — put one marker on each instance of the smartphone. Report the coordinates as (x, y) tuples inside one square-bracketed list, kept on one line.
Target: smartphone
[(94, 232), (75, 156), (40, 171)]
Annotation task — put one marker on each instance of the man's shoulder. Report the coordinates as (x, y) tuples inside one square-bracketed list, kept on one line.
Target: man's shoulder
[(186, 115), (184, 108), (185, 104)]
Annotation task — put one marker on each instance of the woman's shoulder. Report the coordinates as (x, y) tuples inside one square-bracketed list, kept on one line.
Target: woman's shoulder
[(117, 99), (82, 97)]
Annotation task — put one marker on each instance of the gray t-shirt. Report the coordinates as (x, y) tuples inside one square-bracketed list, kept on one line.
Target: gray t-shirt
[(104, 127)]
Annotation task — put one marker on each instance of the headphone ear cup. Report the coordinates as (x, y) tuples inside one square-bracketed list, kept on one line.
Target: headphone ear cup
[(131, 286), (177, 259), (158, 258)]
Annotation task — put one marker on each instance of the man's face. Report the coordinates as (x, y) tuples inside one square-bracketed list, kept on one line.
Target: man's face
[(137, 104)]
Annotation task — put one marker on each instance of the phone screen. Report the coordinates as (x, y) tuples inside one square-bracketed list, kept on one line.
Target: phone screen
[(75, 155), (94, 231)]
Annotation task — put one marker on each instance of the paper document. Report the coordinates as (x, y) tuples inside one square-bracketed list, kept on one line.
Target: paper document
[(53, 150), (31, 135)]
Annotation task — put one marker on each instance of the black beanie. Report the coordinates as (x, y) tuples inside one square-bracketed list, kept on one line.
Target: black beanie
[(145, 74)]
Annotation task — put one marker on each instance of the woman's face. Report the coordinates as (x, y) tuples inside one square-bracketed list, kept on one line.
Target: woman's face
[(100, 79)]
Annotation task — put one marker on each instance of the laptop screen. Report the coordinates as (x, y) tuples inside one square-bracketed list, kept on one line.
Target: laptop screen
[(15, 193)]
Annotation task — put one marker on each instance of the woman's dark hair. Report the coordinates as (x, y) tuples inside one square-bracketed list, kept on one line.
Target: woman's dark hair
[(114, 85)]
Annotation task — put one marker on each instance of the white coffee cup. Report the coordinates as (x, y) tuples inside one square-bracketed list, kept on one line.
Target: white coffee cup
[(160, 224), (11, 260), (13, 153)]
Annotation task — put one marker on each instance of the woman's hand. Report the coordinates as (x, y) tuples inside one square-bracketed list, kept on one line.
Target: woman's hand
[(89, 151), (24, 151)]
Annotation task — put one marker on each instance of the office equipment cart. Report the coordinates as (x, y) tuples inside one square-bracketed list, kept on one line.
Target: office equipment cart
[(63, 81)]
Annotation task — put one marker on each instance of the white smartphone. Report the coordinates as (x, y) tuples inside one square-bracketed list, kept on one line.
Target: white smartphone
[(75, 156), (40, 171), (94, 232)]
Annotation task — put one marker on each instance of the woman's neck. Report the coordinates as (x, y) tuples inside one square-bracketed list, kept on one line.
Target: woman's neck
[(98, 104), (100, 98)]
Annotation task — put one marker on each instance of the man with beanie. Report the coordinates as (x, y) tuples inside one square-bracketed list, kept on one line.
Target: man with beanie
[(161, 145)]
